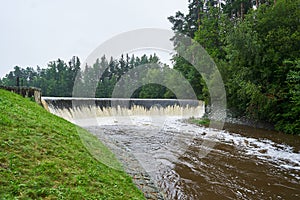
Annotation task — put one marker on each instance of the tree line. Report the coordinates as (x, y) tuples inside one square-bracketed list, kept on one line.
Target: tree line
[(59, 77), (256, 46)]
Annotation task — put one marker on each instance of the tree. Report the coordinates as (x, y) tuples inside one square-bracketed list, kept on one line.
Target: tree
[(250, 47)]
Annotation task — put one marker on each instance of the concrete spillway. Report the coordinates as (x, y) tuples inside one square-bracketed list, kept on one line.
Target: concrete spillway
[(80, 108)]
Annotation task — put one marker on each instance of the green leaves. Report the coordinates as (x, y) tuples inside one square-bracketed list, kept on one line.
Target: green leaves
[(252, 53), (289, 120)]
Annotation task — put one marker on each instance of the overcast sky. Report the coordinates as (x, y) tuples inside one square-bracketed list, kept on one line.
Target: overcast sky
[(34, 32)]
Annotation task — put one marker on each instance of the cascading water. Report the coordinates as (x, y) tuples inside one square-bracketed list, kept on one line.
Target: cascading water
[(76, 109), (148, 137)]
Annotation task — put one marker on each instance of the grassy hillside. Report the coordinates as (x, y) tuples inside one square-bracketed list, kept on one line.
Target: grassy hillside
[(42, 156)]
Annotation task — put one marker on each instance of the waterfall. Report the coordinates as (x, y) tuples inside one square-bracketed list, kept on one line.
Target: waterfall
[(84, 108)]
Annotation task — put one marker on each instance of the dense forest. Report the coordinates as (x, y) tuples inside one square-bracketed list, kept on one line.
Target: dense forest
[(255, 44)]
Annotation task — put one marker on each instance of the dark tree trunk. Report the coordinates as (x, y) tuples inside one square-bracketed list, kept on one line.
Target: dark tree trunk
[(199, 15), (242, 10)]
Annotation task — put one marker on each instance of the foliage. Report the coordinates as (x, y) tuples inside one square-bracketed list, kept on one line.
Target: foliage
[(202, 121), (57, 80), (98, 80), (257, 53), (289, 119), (42, 157)]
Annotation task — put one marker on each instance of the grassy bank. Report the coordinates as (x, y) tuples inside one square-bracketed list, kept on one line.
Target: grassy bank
[(199, 121), (42, 156)]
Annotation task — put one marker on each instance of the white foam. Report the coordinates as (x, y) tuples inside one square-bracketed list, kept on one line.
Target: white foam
[(281, 155)]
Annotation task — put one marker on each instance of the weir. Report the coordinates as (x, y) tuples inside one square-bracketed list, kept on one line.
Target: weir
[(80, 108)]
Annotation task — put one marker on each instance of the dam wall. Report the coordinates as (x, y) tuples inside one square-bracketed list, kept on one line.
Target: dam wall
[(79, 108), (69, 102)]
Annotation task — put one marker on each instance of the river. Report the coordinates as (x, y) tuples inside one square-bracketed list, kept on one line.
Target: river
[(179, 160), (186, 161)]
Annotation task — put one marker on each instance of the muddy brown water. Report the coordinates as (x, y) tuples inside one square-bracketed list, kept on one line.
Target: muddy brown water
[(185, 161), (226, 173), (243, 163)]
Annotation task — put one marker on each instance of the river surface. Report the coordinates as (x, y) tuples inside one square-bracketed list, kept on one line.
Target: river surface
[(186, 161)]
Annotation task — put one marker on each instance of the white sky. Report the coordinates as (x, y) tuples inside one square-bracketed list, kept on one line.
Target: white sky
[(34, 32)]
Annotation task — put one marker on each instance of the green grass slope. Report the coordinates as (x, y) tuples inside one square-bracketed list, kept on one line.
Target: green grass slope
[(42, 157)]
